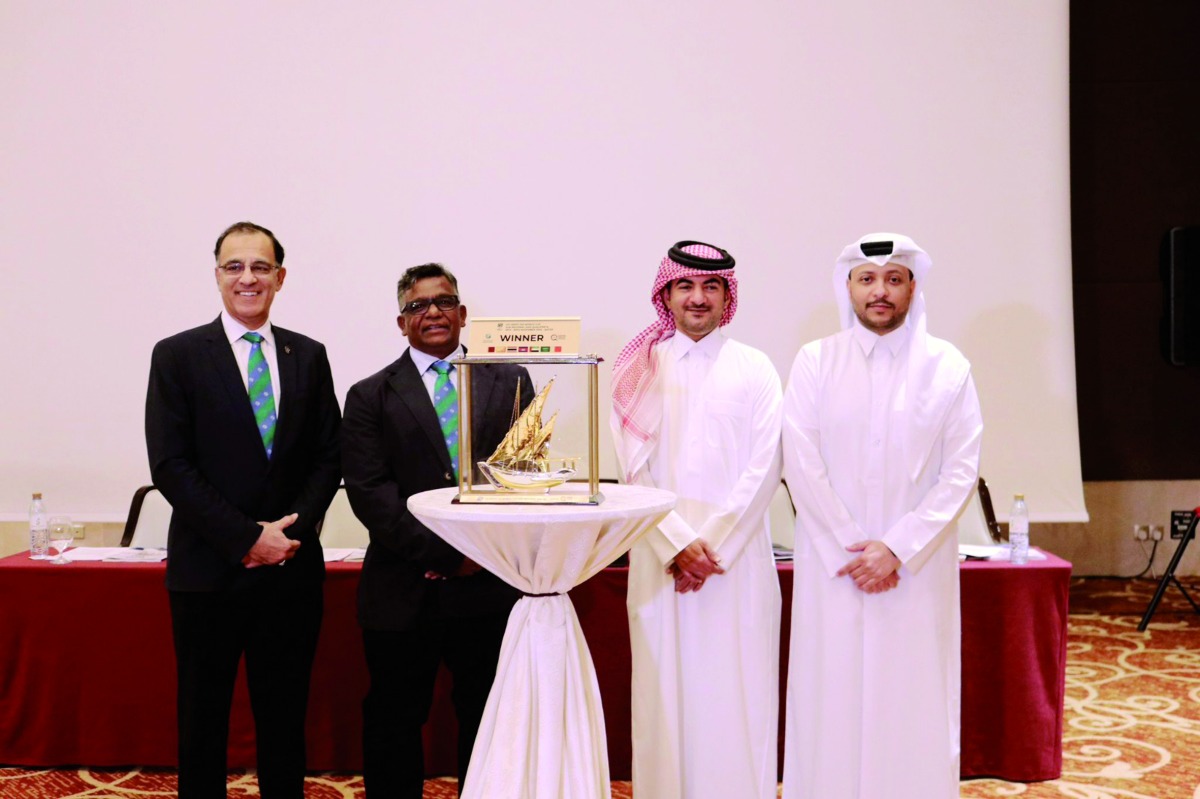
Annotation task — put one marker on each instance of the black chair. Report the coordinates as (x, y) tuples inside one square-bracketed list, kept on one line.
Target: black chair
[(995, 530), (148, 520)]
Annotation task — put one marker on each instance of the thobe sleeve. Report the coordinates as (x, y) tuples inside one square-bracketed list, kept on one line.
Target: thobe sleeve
[(820, 513), (670, 536), (673, 533), (958, 475), (742, 513)]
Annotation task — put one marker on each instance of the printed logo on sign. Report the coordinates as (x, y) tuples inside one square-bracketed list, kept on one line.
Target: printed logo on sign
[(533, 336)]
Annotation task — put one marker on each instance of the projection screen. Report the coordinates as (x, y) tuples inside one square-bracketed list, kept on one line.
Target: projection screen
[(549, 153)]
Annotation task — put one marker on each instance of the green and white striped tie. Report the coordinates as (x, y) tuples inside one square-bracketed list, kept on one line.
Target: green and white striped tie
[(262, 396), (445, 402)]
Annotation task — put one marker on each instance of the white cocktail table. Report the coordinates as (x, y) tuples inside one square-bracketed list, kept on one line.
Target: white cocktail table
[(542, 732)]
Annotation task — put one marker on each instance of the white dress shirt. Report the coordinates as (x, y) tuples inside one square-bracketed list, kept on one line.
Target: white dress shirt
[(424, 363), (234, 330)]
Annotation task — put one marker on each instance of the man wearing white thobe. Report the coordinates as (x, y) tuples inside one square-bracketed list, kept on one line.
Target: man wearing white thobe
[(881, 438), (698, 414)]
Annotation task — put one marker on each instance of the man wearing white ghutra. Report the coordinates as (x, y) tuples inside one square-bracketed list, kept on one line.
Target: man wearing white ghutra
[(881, 436)]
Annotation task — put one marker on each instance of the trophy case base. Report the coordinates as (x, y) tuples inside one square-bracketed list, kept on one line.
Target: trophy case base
[(490, 497)]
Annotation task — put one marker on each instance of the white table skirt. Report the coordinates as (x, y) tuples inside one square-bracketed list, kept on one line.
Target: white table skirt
[(542, 733)]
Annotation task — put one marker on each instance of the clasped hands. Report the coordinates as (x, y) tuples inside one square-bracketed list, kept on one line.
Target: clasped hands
[(875, 570), (694, 564), (272, 547)]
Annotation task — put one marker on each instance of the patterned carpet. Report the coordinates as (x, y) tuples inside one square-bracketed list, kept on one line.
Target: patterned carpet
[(1132, 718), (1132, 723)]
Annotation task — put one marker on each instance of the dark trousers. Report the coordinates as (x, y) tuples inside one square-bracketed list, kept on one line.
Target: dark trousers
[(275, 624), (403, 667)]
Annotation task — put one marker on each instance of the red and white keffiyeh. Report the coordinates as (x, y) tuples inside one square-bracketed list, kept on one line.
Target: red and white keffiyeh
[(635, 407)]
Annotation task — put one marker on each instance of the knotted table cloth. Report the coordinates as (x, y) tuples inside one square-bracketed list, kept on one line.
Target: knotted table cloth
[(542, 733)]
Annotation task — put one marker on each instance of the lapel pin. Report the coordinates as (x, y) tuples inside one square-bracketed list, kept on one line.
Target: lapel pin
[(287, 349)]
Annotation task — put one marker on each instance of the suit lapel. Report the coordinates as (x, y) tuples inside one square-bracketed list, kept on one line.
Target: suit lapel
[(225, 367), (285, 355), (482, 382), (407, 383)]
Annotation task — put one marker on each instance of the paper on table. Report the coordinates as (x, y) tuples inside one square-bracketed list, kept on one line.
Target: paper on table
[(349, 554), (137, 555), (116, 554), (997, 552)]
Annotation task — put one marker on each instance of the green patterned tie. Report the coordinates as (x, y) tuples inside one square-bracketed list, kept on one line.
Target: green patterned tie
[(262, 396), (445, 402)]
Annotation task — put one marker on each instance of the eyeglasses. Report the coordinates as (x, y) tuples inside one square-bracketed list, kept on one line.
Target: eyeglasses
[(446, 303), (258, 268)]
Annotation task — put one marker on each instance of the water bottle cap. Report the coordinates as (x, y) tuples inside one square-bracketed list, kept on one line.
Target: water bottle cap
[(37, 495), (1019, 496)]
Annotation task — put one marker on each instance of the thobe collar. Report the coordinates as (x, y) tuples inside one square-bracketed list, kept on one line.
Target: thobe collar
[(892, 342), (680, 345), (423, 360)]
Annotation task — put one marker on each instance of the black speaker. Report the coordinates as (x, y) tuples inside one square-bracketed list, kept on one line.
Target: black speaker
[(1180, 268)]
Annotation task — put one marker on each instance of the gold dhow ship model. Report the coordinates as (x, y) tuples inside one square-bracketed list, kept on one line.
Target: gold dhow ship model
[(522, 461)]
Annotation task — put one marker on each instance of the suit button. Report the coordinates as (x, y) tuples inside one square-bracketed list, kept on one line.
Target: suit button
[(448, 476)]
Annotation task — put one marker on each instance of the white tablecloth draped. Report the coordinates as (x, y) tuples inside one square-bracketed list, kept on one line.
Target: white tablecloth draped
[(542, 734)]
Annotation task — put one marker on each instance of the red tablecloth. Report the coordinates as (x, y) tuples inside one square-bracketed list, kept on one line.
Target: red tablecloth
[(1014, 664), (1014, 658), (87, 673)]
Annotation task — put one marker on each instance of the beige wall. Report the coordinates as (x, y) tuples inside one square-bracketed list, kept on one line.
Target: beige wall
[(14, 536), (1105, 545)]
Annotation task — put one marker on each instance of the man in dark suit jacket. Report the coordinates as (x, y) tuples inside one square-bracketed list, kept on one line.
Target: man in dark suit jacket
[(242, 432), (421, 601)]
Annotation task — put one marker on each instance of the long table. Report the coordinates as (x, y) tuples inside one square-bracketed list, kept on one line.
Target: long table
[(87, 674)]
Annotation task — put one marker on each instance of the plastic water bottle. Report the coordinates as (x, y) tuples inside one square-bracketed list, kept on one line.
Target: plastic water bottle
[(39, 537), (1018, 530)]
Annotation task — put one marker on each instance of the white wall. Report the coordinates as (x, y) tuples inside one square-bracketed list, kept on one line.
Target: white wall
[(547, 152)]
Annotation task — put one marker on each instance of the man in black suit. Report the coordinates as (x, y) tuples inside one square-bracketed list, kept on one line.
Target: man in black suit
[(421, 601), (242, 432)]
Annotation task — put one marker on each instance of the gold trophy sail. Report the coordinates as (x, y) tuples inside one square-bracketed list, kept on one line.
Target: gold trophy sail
[(522, 462)]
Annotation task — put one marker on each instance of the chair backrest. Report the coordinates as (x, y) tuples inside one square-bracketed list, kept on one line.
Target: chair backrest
[(340, 527), (977, 523), (148, 521), (781, 515), (989, 514)]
